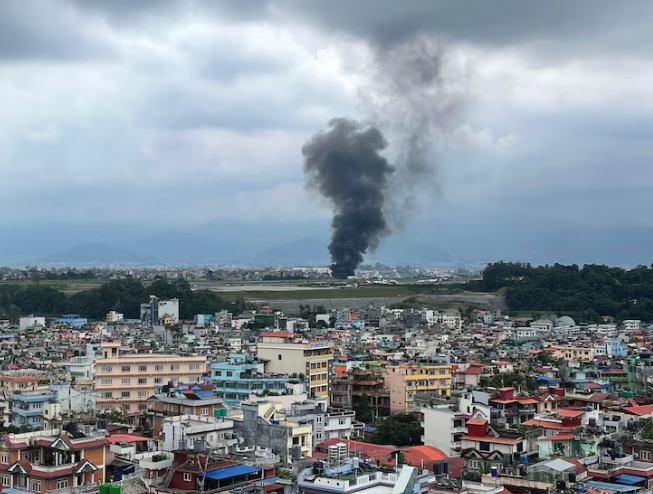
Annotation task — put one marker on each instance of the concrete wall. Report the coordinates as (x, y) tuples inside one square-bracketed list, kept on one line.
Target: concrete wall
[(257, 432)]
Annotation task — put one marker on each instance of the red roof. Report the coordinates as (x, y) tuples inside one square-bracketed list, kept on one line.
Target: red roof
[(547, 424), (278, 334), (456, 464), (507, 389), (370, 450), (126, 438), (563, 436), (563, 412), (493, 439), (473, 370), (415, 455), (477, 422), (593, 386), (639, 410)]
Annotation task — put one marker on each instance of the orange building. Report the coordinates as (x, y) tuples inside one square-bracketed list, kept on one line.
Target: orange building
[(40, 463)]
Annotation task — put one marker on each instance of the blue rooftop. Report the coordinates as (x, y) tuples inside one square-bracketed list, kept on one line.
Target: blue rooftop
[(626, 478), (227, 473), (612, 487)]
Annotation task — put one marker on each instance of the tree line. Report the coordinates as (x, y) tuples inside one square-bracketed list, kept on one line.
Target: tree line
[(124, 296), (589, 292)]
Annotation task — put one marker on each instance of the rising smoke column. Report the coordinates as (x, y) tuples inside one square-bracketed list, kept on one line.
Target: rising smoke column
[(345, 166)]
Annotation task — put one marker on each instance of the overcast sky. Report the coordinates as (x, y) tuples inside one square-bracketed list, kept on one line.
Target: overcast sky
[(186, 112)]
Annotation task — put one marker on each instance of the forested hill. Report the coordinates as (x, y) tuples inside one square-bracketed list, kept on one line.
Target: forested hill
[(123, 296), (589, 292)]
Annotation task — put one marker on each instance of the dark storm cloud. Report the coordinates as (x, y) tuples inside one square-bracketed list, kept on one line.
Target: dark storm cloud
[(345, 166), (33, 30), (594, 25)]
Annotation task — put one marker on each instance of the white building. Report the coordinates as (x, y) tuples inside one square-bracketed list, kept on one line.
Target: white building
[(29, 321), (115, 317), (632, 324), (451, 319), (81, 368), (443, 429), (183, 431)]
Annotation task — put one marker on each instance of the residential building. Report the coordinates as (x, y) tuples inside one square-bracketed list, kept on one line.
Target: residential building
[(289, 354), (160, 311), (30, 321), (72, 320), (174, 402), (484, 447), (347, 391), (13, 381), (632, 324), (183, 432), (443, 429), (259, 427), (114, 317), (513, 409), (241, 375), (126, 380), (51, 460), (27, 412), (328, 423), (405, 380)]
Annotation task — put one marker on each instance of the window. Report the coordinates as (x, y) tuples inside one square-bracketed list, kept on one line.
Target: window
[(341, 421), (37, 406), (142, 380), (194, 379), (4, 458), (126, 368), (35, 486), (218, 373), (194, 367), (6, 480), (142, 406), (158, 367), (174, 367), (484, 447), (279, 357), (62, 483), (158, 380), (107, 382), (125, 394), (204, 411), (142, 394), (142, 368), (107, 368), (644, 455), (187, 411), (37, 420), (474, 464), (187, 477), (126, 381), (108, 394), (230, 374), (127, 407)]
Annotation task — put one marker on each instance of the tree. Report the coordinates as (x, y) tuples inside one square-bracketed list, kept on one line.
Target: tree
[(364, 412), (402, 429)]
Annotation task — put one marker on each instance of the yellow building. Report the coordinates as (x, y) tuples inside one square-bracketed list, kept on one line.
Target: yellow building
[(288, 353), (407, 380), (127, 380)]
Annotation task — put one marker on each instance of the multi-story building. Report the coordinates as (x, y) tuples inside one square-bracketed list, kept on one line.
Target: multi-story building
[(51, 460), (289, 354), (13, 381), (160, 311), (27, 412), (347, 391), (183, 432), (72, 320), (241, 375), (328, 423), (443, 429), (114, 317), (127, 380), (407, 380), (173, 403), (483, 447)]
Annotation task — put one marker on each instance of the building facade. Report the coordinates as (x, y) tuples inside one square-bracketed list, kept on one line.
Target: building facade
[(127, 380), (407, 380)]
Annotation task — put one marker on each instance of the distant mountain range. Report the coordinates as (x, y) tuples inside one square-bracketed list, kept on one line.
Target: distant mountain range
[(278, 246)]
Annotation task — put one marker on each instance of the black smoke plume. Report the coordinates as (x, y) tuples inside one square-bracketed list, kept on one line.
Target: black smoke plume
[(345, 166)]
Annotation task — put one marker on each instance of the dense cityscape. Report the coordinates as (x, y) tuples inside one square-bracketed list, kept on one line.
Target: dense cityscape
[(326, 247)]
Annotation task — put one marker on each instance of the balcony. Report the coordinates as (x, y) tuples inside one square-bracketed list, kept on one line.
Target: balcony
[(122, 448)]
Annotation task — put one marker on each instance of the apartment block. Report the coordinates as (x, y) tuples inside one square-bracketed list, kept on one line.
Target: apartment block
[(289, 354), (407, 380), (127, 380)]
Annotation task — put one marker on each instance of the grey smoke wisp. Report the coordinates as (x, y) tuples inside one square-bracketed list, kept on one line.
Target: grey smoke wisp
[(408, 95), (344, 164)]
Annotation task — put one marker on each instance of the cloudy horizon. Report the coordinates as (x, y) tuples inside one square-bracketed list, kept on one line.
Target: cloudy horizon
[(187, 112)]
